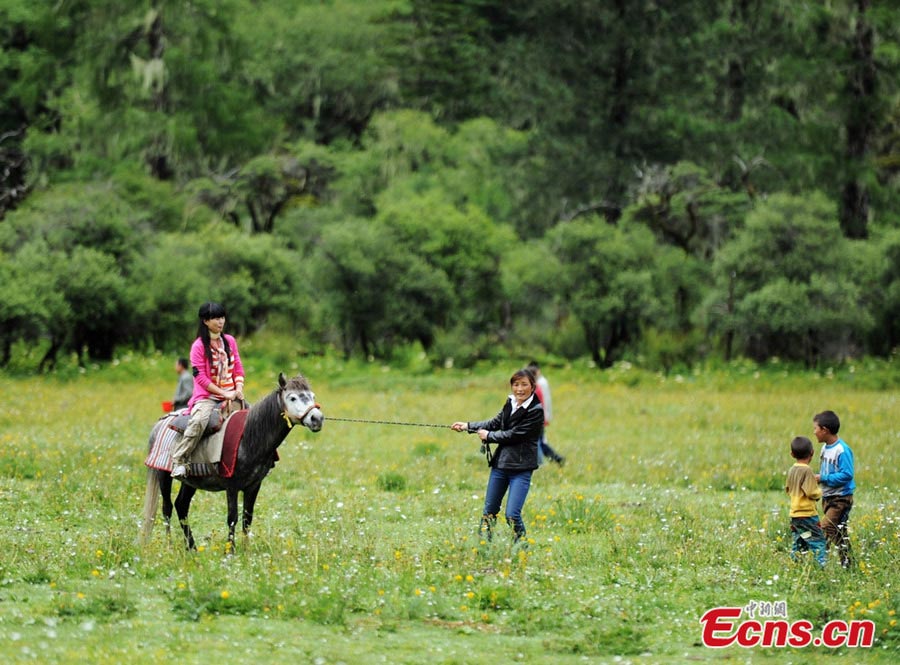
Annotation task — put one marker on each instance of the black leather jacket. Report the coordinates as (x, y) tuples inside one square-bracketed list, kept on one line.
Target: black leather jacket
[(516, 433)]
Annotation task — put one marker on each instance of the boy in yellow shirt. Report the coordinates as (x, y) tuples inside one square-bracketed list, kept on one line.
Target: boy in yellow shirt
[(805, 491)]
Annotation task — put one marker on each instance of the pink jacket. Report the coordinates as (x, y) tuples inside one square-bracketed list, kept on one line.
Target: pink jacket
[(204, 375)]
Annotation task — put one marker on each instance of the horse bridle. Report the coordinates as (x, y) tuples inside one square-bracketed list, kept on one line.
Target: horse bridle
[(287, 418)]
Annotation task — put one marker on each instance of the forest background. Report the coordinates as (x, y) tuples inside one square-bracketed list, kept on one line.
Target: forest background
[(621, 180)]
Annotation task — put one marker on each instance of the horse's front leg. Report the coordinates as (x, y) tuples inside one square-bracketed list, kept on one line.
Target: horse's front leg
[(232, 495), (250, 494), (182, 507)]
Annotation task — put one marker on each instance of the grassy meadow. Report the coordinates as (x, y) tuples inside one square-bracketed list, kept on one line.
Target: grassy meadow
[(365, 548)]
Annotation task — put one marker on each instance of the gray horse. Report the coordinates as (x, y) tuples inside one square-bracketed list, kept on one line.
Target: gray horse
[(268, 423)]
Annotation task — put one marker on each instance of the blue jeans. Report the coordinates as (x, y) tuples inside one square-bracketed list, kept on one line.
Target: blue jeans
[(808, 535), (517, 482)]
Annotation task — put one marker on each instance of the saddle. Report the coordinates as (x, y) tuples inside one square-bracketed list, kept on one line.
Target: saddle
[(216, 419)]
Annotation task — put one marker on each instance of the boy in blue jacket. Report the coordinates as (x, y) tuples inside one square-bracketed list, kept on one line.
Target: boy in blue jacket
[(836, 478)]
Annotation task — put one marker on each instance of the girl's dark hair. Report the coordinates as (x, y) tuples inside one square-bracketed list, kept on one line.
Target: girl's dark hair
[(801, 448), (211, 310), (829, 420), (523, 374)]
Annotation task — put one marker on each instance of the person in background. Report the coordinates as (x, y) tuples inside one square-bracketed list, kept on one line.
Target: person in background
[(185, 387), (516, 430), (804, 490), (836, 478), (542, 389), (218, 377)]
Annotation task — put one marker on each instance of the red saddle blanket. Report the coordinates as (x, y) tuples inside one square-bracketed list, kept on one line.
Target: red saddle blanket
[(234, 431)]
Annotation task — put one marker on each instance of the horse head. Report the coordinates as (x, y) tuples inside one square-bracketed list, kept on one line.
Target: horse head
[(299, 402)]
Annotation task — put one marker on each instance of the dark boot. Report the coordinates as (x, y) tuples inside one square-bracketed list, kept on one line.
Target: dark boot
[(518, 534), (487, 526)]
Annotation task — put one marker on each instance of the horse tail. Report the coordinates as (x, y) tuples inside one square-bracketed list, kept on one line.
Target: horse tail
[(151, 502)]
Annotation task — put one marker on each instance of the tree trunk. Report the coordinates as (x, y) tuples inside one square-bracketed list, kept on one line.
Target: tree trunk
[(736, 78), (157, 157), (861, 125), (48, 362)]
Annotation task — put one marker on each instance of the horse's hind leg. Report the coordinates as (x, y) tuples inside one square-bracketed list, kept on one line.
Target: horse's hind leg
[(182, 507), (165, 488)]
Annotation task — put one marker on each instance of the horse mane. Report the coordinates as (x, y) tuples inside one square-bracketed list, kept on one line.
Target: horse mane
[(298, 383), (259, 426)]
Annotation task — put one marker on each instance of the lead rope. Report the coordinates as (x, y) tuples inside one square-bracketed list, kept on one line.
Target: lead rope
[(386, 422), (485, 446)]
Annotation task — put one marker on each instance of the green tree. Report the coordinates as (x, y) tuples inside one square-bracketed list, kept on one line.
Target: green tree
[(91, 236), (157, 84), (533, 307), (255, 195), (753, 92), (600, 85), (320, 68), (886, 332), (27, 305), (37, 42), (406, 153), (76, 301), (463, 244), (685, 207), (427, 188), (70, 216), (33, 307), (255, 277), (606, 279), (870, 66), (785, 286), (380, 293), (446, 66), (96, 294), (169, 282)]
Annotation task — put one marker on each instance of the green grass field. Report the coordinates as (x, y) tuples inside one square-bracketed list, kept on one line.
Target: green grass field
[(365, 546)]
